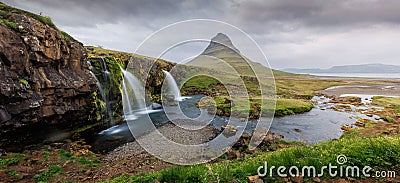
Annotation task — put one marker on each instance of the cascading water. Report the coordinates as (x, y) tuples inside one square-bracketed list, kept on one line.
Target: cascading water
[(105, 74), (100, 87), (172, 86), (104, 69), (135, 106), (133, 95)]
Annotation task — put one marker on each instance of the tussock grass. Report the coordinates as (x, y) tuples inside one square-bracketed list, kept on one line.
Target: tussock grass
[(380, 153), (389, 102), (292, 106)]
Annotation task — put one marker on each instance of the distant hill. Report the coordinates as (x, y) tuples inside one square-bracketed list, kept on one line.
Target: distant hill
[(364, 68)]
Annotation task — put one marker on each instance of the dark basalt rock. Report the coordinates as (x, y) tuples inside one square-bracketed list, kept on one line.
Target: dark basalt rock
[(43, 77)]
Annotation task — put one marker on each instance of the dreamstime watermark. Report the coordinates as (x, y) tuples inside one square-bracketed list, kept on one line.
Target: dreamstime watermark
[(331, 170), (181, 42)]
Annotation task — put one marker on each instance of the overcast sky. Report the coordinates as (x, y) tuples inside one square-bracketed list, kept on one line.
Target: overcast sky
[(292, 33)]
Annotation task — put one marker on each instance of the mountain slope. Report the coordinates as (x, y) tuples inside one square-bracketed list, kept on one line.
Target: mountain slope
[(220, 50)]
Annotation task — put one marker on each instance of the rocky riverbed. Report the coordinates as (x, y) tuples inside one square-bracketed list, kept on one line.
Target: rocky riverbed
[(132, 158)]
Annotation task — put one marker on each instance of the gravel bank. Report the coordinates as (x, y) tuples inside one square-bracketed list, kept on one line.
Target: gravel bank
[(363, 89), (131, 158)]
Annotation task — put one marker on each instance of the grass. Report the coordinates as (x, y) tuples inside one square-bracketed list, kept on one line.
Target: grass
[(45, 20), (13, 174), (11, 159), (360, 132), (23, 81), (391, 105), (251, 107), (46, 155), (95, 52), (292, 106), (204, 83), (388, 119), (47, 165), (92, 162), (388, 102), (5, 10), (380, 153), (378, 128), (9, 24), (303, 88), (68, 37), (47, 175)]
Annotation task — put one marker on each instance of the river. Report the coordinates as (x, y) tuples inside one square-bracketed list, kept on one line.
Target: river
[(322, 123)]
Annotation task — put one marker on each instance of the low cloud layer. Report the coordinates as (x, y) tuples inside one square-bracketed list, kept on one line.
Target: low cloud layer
[(300, 34)]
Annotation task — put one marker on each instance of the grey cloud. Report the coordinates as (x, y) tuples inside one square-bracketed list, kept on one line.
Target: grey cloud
[(293, 33), (322, 13), (94, 12)]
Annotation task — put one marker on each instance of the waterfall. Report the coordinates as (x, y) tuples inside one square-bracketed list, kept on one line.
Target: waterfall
[(104, 69), (100, 87), (90, 65), (105, 74), (172, 86), (133, 95)]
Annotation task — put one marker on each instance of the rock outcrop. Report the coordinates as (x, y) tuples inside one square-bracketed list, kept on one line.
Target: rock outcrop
[(43, 76)]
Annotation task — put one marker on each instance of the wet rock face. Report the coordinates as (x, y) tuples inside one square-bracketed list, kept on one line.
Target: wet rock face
[(42, 76)]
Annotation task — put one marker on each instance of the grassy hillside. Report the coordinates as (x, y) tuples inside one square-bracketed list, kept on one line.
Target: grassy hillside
[(6, 14)]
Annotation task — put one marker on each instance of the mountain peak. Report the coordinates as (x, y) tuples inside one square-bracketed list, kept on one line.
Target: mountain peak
[(220, 42), (223, 39)]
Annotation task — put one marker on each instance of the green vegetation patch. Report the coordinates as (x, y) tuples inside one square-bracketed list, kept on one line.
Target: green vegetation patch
[(304, 88), (11, 159), (380, 153), (68, 37), (47, 175), (91, 160), (23, 81), (9, 24), (112, 88), (13, 174), (292, 106), (360, 132), (4, 10), (45, 20), (204, 83), (389, 102)]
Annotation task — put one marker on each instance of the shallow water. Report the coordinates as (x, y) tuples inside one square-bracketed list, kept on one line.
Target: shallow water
[(359, 75)]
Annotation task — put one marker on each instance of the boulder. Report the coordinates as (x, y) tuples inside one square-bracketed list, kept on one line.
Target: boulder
[(228, 130)]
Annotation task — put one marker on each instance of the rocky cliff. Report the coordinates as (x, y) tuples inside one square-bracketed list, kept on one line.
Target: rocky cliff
[(43, 73)]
